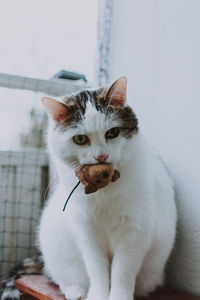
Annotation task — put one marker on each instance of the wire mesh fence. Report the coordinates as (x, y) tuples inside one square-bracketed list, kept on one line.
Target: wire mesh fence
[(23, 162)]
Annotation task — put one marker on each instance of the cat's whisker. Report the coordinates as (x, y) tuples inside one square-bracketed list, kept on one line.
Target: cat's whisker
[(74, 165)]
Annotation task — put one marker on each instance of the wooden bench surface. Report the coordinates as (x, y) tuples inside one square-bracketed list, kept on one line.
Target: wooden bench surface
[(39, 287)]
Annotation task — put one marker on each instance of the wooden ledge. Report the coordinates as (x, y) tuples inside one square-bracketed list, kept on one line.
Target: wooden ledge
[(39, 287)]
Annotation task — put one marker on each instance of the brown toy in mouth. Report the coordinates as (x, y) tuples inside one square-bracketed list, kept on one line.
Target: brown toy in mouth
[(97, 176)]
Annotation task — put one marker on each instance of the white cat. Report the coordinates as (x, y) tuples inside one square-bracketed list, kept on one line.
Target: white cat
[(114, 243)]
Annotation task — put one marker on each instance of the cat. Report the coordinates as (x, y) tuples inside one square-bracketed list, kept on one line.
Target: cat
[(112, 244)]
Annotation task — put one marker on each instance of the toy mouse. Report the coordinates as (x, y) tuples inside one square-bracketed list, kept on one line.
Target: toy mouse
[(96, 176)]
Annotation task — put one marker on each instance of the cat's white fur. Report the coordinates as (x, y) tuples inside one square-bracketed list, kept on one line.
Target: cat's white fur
[(115, 242)]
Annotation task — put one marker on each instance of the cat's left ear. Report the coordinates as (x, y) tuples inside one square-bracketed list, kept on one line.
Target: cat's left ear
[(116, 94)]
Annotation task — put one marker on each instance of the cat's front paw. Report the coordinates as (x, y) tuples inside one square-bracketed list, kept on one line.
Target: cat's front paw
[(121, 296), (96, 298), (74, 292), (124, 297), (93, 295)]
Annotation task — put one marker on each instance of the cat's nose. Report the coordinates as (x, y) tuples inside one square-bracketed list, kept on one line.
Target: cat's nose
[(101, 157)]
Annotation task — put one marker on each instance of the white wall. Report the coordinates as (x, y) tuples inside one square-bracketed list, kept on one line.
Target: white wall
[(156, 43)]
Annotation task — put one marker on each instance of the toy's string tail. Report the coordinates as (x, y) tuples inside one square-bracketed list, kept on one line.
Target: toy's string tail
[(70, 195)]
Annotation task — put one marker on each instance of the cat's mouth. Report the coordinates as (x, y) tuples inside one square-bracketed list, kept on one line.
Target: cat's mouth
[(90, 162)]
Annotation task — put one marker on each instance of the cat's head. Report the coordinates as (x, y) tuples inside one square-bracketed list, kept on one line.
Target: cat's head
[(91, 126)]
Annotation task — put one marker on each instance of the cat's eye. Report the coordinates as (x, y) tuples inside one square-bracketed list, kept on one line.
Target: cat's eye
[(112, 133), (81, 139)]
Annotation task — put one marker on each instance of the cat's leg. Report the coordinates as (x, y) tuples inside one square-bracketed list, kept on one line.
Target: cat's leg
[(95, 255), (151, 274), (127, 261), (64, 264), (69, 273), (75, 286)]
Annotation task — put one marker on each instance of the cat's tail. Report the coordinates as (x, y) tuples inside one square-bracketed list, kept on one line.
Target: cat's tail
[(26, 267)]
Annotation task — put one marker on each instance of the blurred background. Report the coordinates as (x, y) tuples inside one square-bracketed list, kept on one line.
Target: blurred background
[(38, 39)]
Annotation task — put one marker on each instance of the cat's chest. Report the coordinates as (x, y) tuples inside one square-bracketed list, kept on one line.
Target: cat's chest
[(110, 211), (111, 214), (111, 223)]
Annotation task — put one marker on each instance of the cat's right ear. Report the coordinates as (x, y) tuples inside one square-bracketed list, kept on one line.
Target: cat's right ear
[(116, 93), (55, 109)]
